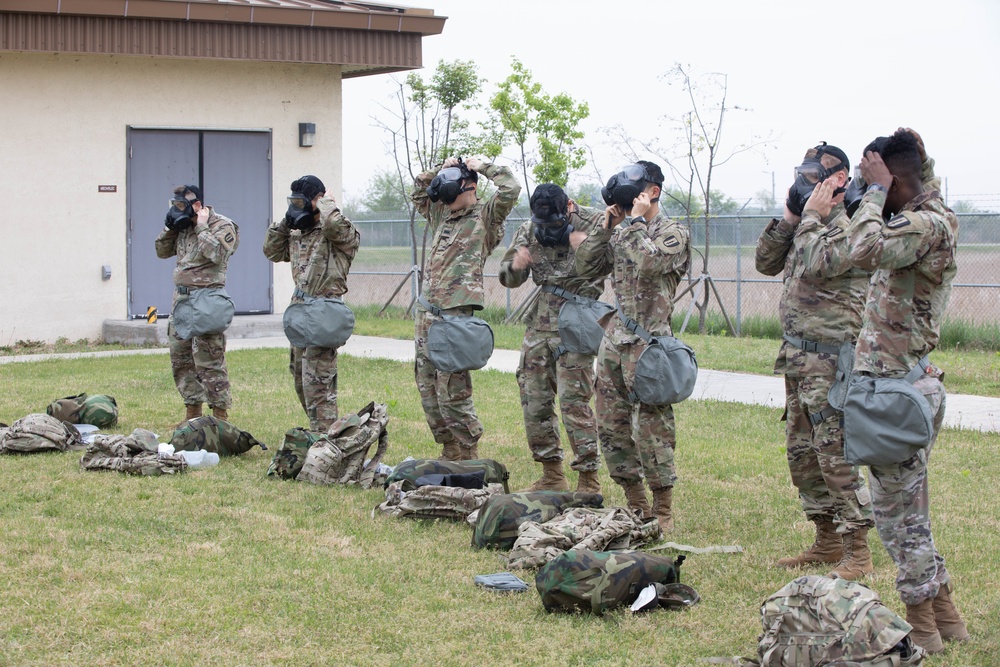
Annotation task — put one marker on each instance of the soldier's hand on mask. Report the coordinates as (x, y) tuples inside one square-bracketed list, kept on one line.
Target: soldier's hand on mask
[(821, 199), (788, 215), (920, 142), (873, 170), (450, 162), (202, 216), (474, 164), (315, 201), (641, 204), (576, 239), (522, 259), (613, 215)]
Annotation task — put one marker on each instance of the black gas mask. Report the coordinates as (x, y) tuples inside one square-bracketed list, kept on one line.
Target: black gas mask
[(180, 215), (300, 213), (626, 185), (811, 173), (855, 191), (548, 215), (447, 185)]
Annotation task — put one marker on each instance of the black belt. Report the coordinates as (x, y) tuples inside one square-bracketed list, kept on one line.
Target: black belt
[(811, 346)]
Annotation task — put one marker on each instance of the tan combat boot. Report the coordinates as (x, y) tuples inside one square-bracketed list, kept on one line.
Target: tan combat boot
[(925, 633), (827, 548), (635, 494), (468, 453), (857, 559), (450, 451), (193, 410), (946, 617), (220, 413), (553, 478), (662, 500), (588, 482)]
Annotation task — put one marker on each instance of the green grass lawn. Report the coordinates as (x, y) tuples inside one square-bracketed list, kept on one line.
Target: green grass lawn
[(226, 567)]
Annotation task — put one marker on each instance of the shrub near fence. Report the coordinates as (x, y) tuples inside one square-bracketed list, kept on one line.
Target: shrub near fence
[(386, 258)]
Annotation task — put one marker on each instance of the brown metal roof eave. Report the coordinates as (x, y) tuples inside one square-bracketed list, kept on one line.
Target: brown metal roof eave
[(335, 17)]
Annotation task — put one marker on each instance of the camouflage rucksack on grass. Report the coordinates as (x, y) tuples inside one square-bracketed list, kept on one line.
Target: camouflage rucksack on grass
[(599, 581), (100, 410), (213, 435), (39, 433), (339, 457), (435, 502), (408, 472), (288, 460), (134, 454), (819, 621), (500, 517)]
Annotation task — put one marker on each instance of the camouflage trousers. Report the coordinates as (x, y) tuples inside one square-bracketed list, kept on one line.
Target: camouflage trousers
[(315, 372), (637, 440), (541, 377), (829, 487), (445, 397), (902, 512), (199, 367)]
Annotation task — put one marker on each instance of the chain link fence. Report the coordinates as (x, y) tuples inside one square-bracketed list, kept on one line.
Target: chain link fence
[(384, 271)]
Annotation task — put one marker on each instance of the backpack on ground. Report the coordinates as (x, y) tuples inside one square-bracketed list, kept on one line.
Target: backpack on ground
[(213, 435), (39, 433), (290, 457), (408, 472), (99, 410), (819, 621), (134, 454), (340, 456), (435, 502), (607, 529), (598, 581), (500, 517)]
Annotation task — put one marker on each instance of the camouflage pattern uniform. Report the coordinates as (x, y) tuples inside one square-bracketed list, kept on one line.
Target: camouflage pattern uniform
[(913, 257), (203, 253), (647, 260), (541, 375), (453, 282), (321, 258), (822, 303)]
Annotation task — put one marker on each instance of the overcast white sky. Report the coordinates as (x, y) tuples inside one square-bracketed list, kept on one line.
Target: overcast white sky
[(843, 72)]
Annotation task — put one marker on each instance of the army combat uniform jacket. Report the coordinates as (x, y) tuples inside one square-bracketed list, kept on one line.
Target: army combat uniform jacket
[(555, 266), (202, 251), (463, 239)]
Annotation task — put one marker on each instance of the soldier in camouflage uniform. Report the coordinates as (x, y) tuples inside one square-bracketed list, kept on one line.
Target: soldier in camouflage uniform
[(913, 256), (465, 231), (647, 260), (821, 306), (320, 243), (541, 248), (203, 242)]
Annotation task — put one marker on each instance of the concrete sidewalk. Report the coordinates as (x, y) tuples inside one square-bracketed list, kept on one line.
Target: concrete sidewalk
[(977, 413)]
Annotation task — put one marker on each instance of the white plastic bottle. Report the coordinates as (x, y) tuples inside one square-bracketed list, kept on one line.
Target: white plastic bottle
[(200, 459)]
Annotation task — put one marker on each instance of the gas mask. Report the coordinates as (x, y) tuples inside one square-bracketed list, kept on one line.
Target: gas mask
[(811, 173), (554, 232), (447, 185), (626, 185), (180, 215), (300, 212), (855, 191)]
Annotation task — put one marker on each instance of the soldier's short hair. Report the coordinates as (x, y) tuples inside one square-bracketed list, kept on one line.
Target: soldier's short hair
[(901, 155)]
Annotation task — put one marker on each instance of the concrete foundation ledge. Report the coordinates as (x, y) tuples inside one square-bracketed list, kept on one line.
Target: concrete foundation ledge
[(139, 332)]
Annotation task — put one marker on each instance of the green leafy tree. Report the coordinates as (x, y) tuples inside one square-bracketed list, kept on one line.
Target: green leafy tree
[(543, 127), (384, 194)]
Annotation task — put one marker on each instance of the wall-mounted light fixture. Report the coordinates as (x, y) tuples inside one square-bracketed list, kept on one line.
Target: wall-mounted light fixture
[(307, 134)]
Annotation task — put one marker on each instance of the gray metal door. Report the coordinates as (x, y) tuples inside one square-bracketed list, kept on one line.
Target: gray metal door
[(233, 170)]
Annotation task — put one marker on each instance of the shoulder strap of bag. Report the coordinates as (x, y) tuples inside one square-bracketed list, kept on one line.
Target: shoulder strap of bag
[(427, 304), (918, 370), (634, 326), (566, 294)]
